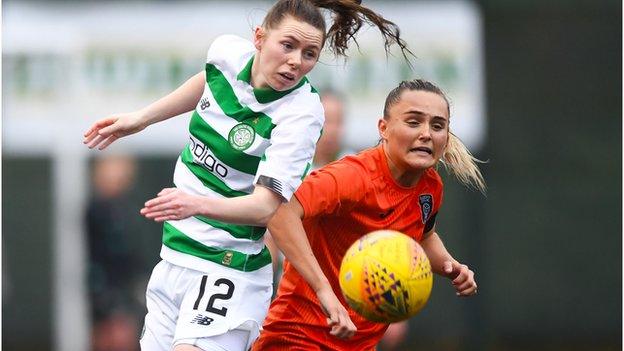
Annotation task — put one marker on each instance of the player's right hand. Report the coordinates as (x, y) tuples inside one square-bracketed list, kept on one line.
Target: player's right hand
[(338, 318), (105, 131)]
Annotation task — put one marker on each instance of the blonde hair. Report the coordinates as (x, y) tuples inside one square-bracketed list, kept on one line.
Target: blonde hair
[(457, 159)]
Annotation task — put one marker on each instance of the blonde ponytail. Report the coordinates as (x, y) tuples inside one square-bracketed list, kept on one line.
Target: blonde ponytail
[(459, 162)]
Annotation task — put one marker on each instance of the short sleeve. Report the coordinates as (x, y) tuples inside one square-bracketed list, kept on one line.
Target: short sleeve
[(331, 188), (289, 157)]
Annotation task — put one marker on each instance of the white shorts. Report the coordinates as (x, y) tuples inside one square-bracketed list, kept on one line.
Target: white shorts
[(219, 310)]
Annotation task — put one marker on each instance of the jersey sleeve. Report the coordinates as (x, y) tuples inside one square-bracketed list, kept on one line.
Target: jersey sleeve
[(226, 48), (330, 189), (289, 157)]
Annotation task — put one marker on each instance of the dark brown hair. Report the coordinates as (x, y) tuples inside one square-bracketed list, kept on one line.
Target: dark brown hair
[(348, 17), (457, 159)]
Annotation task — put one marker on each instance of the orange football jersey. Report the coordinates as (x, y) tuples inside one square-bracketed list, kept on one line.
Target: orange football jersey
[(342, 202)]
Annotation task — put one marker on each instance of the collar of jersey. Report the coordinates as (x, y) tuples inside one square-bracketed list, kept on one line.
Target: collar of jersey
[(264, 95)]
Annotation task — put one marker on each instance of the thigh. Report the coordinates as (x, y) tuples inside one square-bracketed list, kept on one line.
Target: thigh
[(233, 340), (162, 311)]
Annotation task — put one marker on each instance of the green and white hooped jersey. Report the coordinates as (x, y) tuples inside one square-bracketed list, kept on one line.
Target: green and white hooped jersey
[(239, 137)]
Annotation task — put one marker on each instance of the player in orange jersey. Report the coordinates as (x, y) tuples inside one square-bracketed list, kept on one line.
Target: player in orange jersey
[(391, 186)]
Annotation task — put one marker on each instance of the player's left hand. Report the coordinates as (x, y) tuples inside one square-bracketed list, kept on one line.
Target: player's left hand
[(171, 204), (462, 278)]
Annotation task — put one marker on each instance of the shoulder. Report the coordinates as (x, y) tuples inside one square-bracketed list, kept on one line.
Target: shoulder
[(345, 179), (369, 161), (228, 48), (433, 177), (230, 43), (361, 166)]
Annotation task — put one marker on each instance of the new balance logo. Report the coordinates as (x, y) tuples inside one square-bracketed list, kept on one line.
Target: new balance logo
[(202, 320), (204, 103)]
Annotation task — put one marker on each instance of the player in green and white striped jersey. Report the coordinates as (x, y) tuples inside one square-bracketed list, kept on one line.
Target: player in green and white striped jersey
[(252, 139), (235, 132)]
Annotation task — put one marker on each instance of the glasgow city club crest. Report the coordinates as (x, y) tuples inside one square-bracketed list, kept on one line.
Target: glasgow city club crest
[(241, 136), (426, 206)]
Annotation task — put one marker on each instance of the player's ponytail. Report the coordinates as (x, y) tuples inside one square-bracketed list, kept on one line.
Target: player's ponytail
[(457, 160), (348, 17)]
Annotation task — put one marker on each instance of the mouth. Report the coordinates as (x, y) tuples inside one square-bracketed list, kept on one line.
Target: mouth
[(422, 149), (288, 76)]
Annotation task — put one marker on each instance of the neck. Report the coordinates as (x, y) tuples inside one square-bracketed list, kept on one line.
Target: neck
[(402, 175), (256, 80)]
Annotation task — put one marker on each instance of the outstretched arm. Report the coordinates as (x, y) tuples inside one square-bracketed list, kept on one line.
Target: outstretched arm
[(288, 233), (184, 99), (444, 264)]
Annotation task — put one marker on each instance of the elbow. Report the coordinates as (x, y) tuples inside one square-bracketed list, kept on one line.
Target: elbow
[(267, 209), (263, 220), (265, 215)]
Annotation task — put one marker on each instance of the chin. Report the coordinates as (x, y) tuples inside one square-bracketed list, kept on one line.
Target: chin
[(279, 86), (420, 165)]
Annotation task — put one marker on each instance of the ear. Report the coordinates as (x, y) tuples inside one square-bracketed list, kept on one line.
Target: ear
[(382, 126), (258, 37)]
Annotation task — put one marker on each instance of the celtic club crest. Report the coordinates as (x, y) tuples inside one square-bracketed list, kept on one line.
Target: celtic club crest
[(241, 136)]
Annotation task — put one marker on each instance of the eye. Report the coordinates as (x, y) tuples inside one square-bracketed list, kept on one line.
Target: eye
[(311, 55), (438, 126), (413, 123), (287, 45)]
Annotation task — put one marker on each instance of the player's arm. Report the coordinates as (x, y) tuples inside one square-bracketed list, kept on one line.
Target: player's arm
[(287, 230), (184, 99), (444, 264), (254, 209), (279, 174), (273, 250)]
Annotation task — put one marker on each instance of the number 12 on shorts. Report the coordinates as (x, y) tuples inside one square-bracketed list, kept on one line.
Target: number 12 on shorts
[(228, 295)]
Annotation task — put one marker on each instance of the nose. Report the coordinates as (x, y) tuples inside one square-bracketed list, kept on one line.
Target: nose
[(425, 132), (294, 59)]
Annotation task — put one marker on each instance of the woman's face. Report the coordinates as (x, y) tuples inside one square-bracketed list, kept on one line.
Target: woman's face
[(285, 54), (416, 131)]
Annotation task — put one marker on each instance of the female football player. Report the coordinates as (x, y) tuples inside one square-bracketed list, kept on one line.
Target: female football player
[(391, 186), (252, 138)]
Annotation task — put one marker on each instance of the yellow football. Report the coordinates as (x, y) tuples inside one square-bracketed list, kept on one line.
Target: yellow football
[(385, 276)]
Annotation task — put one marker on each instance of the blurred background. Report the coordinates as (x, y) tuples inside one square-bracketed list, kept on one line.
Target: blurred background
[(535, 88)]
